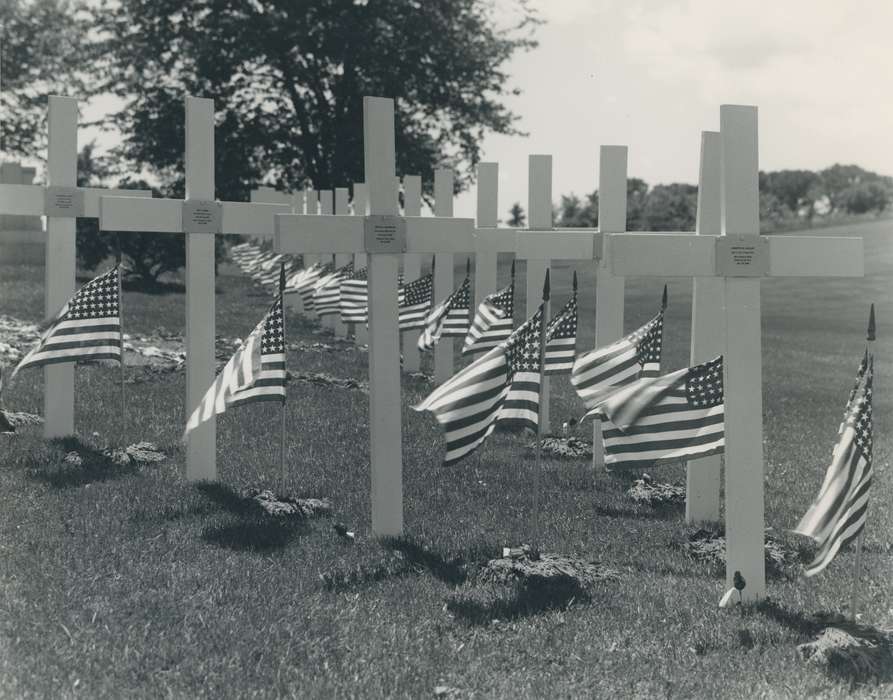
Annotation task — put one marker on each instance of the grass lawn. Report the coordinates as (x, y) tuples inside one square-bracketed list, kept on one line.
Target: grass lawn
[(133, 583)]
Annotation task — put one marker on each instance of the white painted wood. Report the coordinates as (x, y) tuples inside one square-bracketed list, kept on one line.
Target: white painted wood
[(157, 215), (360, 208), (252, 218), (609, 287), (311, 208), (384, 345), (486, 261), (327, 208), (443, 272), (336, 234), (560, 244), (342, 196), (270, 195), (661, 254), (201, 445), (58, 396), (704, 476), (539, 215), (22, 200), (412, 270)]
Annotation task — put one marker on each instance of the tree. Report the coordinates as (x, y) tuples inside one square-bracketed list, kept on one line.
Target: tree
[(670, 207), (43, 51), (288, 81), (575, 213), (517, 218)]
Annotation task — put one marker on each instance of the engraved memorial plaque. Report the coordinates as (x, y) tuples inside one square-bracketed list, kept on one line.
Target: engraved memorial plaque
[(384, 234), (742, 255), (67, 202), (201, 216)]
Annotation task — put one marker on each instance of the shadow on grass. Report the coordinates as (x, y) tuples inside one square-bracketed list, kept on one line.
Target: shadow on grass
[(451, 569), (482, 605), (95, 467), (251, 530), (638, 513)]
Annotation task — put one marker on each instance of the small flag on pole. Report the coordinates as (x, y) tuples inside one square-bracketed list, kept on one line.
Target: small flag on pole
[(664, 419), (449, 318), (416, 303), (838, 514), (244, 378), (561, 338), (522, 404), (470, 403), (88, 327), (355, 297), (308, 289), (327, 295), (493, 320), (600, 372)]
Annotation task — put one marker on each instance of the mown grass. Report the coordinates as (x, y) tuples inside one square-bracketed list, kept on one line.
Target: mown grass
[(133, 583)]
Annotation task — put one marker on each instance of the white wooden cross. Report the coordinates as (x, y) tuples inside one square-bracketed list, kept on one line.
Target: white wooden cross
[(384, 236), (327, 208), (62, 202), (443, 272), (270, 195), (199, 218), (489, 240), (360, 208), (740, 258), (342, 197)]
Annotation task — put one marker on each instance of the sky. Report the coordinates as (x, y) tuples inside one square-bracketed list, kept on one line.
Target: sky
[(651, 74)]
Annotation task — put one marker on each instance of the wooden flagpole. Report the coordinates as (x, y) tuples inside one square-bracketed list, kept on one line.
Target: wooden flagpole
[(283, 412), (539, 423), (857, 580)]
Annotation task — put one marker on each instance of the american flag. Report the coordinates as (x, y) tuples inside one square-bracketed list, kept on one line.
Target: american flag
[(327, 295), (303, 279), (492, 322), (416, 303), (599, 373), (522, 404), (665, 419), (355, 297), (238, 374), (837, 516), (471, 402), (561, 339), (308, 289), (449, 318), (87, 327), (269, 383)]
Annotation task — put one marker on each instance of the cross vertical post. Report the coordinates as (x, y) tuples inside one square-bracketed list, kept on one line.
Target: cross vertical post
[(327, 208), (743, 389), (360, 207), (704, 475), (539, 213), (58, 404), (384, 338), (342, 195), (486, 262), (443, 273), (311, 200), (412, 269), (201, 445), (609, 288)]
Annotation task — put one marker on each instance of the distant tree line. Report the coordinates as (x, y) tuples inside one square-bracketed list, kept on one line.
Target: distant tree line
[(788, 199)]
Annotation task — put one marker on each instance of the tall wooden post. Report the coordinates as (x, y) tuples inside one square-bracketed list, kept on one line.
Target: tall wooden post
[(342, 195), (486, 262), (539, 212), (412, 269), (201, 461), (704, 476), (743, 358), (58, 406), (609, 288), (360, 208), (443, 273)]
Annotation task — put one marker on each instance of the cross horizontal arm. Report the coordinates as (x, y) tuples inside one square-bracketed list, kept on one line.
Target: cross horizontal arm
[(28, 200), (687, 255), (816, 256), (494, 240), (251, 219), (558, 244), (661, 254), (135, 214), (296, 233)]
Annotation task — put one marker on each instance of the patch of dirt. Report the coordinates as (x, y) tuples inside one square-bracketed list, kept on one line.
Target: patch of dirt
[(265, 502), (709, 546), (16, 338), (324, 379), (569, 447), (653, 493), (139, 453), (856, 653), (20, 418)]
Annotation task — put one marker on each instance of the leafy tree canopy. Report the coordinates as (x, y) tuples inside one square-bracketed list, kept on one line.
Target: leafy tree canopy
[(288, 80)]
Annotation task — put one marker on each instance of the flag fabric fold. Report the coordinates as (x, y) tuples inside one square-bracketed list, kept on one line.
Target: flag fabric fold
[(354, 302), (664, 419), (597, 374), (448, 319), (87, 327), (838, 514), (493, 321), (561, 339), (471, 402), (416, 303), (327, 294)]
